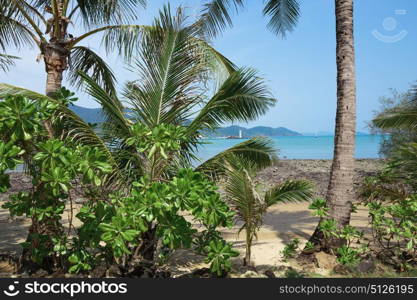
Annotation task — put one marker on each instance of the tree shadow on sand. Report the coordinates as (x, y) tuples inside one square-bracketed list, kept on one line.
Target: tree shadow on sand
[(301, 224), (289, 225)]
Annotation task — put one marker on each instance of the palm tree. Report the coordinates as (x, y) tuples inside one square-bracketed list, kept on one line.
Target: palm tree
[(175, 69), (172, 69), (46, 25), (176, 74), (250, 207), (340, 193)]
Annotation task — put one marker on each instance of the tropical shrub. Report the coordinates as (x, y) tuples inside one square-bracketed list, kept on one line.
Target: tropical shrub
[(151, 215), (153, 207), (290, 249), (114, 228), (52, 164), (391, 198)]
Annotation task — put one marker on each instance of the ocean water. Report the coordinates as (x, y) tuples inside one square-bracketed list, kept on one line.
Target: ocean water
[(293, 147), (299, 147)]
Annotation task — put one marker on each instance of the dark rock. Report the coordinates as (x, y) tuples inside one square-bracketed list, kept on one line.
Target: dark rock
[(202, 273), (366, 266), (252, 274), (269, 274), (145, 269)]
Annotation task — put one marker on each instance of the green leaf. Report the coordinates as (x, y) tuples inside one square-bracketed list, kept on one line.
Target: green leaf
[(73, 258), (107, 236), (130, 235), (106, 227)]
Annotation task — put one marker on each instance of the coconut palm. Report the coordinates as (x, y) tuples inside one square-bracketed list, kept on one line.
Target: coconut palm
[(340, 194), (46, 24), (174, 72), (250, 206)]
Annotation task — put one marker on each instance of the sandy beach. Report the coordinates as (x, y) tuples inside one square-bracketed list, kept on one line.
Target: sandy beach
[(281, 223)]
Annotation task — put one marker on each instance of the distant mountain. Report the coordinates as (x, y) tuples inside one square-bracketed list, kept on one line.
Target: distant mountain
[(91, 115), (255, 131), (95, 115)]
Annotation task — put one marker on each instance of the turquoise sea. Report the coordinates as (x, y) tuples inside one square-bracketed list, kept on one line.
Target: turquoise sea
[(300, 147), (295, 147)]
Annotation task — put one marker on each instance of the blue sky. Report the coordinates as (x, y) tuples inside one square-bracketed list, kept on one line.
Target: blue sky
[(301, 69)]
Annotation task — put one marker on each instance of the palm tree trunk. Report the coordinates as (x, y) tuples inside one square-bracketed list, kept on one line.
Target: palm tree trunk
[(340, 192), (56, 62), (247, 259)]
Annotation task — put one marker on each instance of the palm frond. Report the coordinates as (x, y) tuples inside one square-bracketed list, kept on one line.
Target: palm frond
[(241, 191), (290, 191), (283, 15), (219, 65), (259, 151), (121, 39), (14, 31), (216, 15), (6, 61), (405, 118), (169, 69), (85, 60), (116, 124), (99, 12), (242, 97)]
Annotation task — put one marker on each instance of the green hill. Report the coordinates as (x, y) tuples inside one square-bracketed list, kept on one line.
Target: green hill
[(91, 115), (255, 131), (95, 115)]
